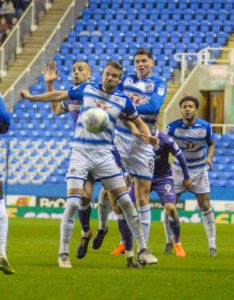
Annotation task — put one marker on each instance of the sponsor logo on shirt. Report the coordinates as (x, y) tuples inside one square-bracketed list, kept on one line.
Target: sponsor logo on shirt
[(72, 107), (102, 104), (137, 98)]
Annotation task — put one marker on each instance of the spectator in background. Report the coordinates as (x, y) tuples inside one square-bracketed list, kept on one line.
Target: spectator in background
[(13, 22), (8, 10)]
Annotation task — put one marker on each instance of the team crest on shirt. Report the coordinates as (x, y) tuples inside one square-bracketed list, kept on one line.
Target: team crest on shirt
[(200, 133), (102, 104), (149, 87), (161, 90)]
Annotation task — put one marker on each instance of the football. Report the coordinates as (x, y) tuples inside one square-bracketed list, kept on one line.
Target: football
[(95, 120)]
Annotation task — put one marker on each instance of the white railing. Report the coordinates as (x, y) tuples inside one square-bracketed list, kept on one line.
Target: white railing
[(202, 57), (225, 127), (34, 69), (27, 23)]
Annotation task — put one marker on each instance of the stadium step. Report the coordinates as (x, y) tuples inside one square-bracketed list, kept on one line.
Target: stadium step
[(225, 54), (46, 24)]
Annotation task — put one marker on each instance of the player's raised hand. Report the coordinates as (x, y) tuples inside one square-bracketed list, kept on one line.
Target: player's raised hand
[(25, 94), (50, 72), (188, 184)]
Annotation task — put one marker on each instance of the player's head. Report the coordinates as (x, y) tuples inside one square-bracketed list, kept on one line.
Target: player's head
[(111, 76), (81, 72), (144, 63), (189, 107)]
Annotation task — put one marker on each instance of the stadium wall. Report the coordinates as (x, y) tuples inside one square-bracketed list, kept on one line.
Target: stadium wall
[(203, 78)]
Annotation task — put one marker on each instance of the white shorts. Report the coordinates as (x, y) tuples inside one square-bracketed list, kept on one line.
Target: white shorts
[(99, 163), (200, 180), (136, 156)]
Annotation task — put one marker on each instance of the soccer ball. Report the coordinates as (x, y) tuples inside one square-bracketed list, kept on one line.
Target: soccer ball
[(95, 120)]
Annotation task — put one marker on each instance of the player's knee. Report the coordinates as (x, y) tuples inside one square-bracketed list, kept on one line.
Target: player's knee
[(74, 200), (85, 201), (171, 211), (117, 209)]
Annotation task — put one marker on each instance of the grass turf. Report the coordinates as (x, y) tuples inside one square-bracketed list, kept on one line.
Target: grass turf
[(33, 248)]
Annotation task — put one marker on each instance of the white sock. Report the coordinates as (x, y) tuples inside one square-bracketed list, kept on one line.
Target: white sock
[(167, 228), (3, 227), (67, 224), (103, 209), (132, 218), (145, 216), (209, 224)]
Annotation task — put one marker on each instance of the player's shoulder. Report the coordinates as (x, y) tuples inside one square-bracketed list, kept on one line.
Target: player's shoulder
[(176, 123), (202, 122), (158, 80), (129, 78)]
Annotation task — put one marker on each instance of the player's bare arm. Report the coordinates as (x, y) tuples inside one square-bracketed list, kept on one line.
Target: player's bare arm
[(210, 152), (47, 97)]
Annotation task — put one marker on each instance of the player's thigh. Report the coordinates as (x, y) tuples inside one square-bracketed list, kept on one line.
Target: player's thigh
[(201, 183), (141, 161), (142, 190), (166, 190), (88, 187), (79, 167), (108, 171), (123, 146), (178, 178)]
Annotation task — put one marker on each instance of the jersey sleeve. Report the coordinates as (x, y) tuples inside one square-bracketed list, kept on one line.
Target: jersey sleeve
[(77, 92), (64, 105), (170, 129), (4, 118), (130, 109), (156, 100), (174, 148)]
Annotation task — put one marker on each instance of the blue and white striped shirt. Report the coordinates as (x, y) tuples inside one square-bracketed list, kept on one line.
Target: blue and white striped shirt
[(91, 95), (148, 95), (192, 140)]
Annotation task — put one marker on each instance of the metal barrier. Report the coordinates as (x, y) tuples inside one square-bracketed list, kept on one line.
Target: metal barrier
[(34, 69), (202, 57), (224, 127), (27, 23)]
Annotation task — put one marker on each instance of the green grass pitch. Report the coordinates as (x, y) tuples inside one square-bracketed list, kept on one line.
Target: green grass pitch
[(33, 247)]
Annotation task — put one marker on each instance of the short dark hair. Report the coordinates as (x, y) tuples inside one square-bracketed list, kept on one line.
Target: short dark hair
[(116, 65), (144, 51), (190, 98)]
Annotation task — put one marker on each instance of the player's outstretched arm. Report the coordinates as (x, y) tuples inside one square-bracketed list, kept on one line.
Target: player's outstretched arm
[(145, 133), (210, 152), (47, 97), (187, 182)]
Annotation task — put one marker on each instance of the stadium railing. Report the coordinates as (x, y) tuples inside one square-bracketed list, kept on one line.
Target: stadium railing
[(205, 56), (27, 23), (34, 69), (225, 128)]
